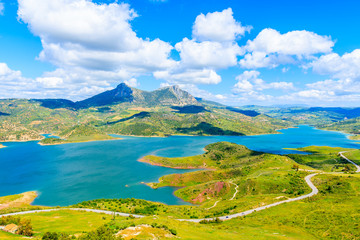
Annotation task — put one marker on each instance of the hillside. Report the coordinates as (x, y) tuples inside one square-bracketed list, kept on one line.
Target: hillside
[(173, 96), (129, 111), (78, 133), (351, 126), (307, 115)]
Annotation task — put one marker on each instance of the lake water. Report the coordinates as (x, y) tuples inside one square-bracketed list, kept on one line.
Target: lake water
[(71, 173)]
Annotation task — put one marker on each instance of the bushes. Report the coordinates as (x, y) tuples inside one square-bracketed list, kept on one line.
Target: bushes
[(57, 236), (102, 233), (9, 219), (162, 226), (25, 227), (216, 220)]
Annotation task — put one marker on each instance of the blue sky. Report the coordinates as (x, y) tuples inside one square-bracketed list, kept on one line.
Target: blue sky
[(234, 52)]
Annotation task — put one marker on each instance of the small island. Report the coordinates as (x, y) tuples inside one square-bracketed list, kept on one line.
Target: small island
[(2, 146)]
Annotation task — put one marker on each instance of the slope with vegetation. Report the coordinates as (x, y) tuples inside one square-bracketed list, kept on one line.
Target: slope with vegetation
[(126, 111), (351, 126), (78, 133)]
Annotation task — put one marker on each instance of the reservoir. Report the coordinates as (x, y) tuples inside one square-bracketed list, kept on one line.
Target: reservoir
[(70, 173)]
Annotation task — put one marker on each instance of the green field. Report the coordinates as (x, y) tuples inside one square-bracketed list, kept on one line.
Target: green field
[(353, 155), (323, 158)]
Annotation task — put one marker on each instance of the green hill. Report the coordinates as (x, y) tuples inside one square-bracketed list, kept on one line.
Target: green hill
[(129, 111)]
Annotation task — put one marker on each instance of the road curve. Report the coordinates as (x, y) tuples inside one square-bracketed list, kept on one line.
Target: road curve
[(357, 166), (223, 218), (228, 217)]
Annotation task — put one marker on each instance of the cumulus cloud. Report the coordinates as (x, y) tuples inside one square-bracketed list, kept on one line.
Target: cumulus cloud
[(271, 48), (208, 54), (132, 82), (249, 82), (87, 40), (218, 26), (202, 76), (7, 74), (212, 47), (344, 72), (50, 82), (14, 85), (346, 66)]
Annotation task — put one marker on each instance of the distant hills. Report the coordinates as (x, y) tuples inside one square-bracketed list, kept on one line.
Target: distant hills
[(163, 112), (172, 95)]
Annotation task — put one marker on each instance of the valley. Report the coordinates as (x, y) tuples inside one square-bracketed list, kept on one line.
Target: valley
[(211, 166)]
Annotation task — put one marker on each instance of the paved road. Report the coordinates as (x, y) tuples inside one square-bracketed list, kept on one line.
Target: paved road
[(228, 217), (73, 209), (357, 166), (224, 218)]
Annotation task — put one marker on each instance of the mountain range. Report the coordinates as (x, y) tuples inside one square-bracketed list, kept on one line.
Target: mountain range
[(172, 95), (163, 112)]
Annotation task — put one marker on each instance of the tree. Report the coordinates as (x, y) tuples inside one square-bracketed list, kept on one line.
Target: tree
[(25, 228), (296, 167)]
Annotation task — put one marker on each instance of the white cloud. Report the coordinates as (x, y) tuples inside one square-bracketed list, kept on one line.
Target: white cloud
[(344, 72), (92, 43), (213, 47), (218, 26), (50, 82), (14, 85), (340, 87), (208, 54), (8, 74), (132, 82), (346, 66), (202, 76), (271, 48), (81, 22), (249, 81)]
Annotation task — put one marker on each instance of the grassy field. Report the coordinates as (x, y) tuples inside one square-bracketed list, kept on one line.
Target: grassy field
[(323, 158), (353, 155), (332, 214), (70, 222)]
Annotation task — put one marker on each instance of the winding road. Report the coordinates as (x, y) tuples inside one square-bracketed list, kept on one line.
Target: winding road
[(223, 218), (357, 166)]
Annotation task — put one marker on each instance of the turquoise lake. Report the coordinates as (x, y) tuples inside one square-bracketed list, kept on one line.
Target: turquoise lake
[(71, 173)]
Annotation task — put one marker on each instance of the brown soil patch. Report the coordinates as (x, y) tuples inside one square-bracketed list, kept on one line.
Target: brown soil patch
[(26, 199), (214, 191)]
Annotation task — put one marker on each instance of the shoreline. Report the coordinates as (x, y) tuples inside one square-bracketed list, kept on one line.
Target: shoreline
[(165, 136), (95, 140), (143, 160)]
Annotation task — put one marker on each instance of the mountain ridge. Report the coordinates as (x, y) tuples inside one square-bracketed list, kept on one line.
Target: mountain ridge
[(172, 95)]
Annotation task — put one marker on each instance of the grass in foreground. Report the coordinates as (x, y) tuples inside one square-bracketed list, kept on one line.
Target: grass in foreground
[(332, 214)]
